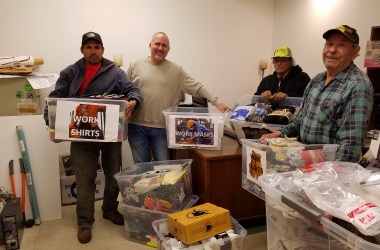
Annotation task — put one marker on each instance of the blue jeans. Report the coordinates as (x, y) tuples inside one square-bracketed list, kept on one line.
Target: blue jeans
[(144, 140), (85, 157)]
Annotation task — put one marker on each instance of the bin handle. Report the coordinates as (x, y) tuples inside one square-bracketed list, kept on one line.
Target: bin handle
[(307, 210)]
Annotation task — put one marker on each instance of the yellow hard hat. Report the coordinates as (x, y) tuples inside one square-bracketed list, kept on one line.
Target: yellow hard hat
[(190, 123), (282, 51)]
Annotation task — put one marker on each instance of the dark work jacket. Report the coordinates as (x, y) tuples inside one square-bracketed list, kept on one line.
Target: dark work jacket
[(110, 79), (293, 84)]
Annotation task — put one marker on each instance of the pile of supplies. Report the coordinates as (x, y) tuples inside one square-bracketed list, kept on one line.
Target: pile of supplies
[(279, 155), (254, 116), (205, 226), (344, 193), (151, 191), (272, 113)]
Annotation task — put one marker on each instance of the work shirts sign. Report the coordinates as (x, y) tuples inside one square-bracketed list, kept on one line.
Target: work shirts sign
[(89, 121)]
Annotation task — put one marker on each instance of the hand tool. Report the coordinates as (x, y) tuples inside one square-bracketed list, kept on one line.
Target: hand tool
[(30, 222), (11, 176)]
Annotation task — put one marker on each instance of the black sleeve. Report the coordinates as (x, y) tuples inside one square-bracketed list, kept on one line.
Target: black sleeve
[(264, 85)]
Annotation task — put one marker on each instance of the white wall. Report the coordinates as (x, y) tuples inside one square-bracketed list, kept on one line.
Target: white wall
[(300, 25), (219, 42), (43, 158)]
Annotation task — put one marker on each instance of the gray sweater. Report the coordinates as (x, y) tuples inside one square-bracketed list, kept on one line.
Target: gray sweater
[(161, 86)]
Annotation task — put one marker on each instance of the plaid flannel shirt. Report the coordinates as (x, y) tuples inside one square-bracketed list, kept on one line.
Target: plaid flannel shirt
[(335, 114)]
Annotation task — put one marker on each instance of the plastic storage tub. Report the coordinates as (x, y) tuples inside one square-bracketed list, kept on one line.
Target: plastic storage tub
[(159, 185), (189, 127), (235, 243), (259, 159), (303, 226), (138, 221), (254, 130), (80, 119)]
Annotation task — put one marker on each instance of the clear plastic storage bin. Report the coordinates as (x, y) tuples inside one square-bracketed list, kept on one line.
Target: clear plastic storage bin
[(81, 119), (259, 159), (254, 130), (235, 242), (189, 127), (138, 221), (294, 224), (159, 185)]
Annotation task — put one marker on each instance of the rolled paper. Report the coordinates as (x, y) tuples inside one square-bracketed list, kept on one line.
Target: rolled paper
[(263, 64), (16, 61), (118, 59), (19, 61)]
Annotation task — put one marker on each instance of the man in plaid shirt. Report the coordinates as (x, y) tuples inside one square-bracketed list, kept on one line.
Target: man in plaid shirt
[(337, 103)]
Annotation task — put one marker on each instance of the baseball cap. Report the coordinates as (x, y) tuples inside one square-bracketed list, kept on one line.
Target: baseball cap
[(345, 30), (283, 51), (91, 35)]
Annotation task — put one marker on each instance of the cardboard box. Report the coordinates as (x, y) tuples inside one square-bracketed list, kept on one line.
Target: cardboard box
[(138, 221), (17, 98), (199, 223), (69, 188), (79, 119), (66, 167), (190, 127), (234, 240)]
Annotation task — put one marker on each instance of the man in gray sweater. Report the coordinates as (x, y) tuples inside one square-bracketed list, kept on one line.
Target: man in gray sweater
[(161, 82)]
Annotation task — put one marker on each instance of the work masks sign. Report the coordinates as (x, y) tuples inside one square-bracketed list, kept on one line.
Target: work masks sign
[(86, 121), (191, 130)]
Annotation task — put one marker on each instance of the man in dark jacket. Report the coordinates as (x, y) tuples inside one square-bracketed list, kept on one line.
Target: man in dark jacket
[(287, 79), (95, 75)]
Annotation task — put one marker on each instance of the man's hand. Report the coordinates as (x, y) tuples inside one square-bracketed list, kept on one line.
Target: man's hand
[(130, 107), (223, 107), (279, 96), (266, 95), (275, 134)]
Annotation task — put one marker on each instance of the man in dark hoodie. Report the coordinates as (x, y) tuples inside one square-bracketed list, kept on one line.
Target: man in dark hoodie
[(287, 79)]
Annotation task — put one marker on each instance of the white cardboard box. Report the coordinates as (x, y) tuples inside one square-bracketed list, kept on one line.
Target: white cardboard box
[(66, 167), (234, 240), (69, 191)]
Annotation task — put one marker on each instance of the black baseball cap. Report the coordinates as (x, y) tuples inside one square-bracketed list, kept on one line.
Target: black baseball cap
[(346, 30), (91, 35)]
